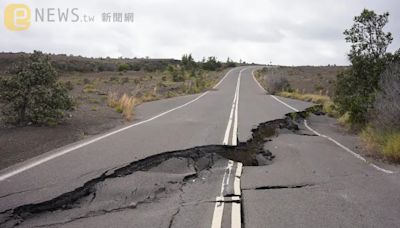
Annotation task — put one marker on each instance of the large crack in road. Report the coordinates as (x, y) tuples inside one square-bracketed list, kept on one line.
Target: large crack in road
[(148, 180)]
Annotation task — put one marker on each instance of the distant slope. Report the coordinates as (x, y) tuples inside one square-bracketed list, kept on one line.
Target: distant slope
[(64, 63)]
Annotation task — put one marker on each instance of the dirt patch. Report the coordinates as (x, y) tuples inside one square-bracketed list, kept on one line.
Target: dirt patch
[(308, 79)]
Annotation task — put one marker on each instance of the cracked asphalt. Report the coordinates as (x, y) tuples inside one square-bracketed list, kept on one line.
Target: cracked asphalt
[(225, 158)]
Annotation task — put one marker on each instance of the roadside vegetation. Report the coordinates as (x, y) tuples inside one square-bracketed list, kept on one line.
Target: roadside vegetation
[(365, 97), (32, 94), (48, 101), (124, 104)]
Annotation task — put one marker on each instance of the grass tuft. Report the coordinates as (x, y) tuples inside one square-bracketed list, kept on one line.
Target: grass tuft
[(124, 105), (386, 144), (327, 104), (89, 88)]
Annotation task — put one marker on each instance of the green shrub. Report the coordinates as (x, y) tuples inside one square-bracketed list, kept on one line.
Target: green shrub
[(124, 67), (33, 94), (212, 64), (188, 62)]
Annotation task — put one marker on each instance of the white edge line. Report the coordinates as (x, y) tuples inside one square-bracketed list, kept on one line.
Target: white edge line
[(62, 152), (328, 137)]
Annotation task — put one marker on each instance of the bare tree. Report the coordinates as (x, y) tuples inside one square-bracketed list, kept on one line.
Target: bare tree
[(386, 112)]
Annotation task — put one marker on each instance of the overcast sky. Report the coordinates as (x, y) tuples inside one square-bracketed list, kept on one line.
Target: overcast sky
[(286, 32)]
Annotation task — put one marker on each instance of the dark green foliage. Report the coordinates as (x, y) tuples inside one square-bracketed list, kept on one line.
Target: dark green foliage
[(33, 94), (188, 62), (124, 67), (356, 87), (177, 73), (211, 64), (177, 76)]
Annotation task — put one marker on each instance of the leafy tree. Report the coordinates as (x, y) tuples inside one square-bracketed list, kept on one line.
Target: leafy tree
[(356, 87), (32, 93), (386, 112)]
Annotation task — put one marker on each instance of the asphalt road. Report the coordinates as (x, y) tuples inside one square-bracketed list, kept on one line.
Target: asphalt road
[(126, 178)]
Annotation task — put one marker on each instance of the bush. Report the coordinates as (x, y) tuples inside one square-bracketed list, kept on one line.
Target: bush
[(211, 64), (123, 67), (188, 62), (33, 94), (277, 84), (177, 74)]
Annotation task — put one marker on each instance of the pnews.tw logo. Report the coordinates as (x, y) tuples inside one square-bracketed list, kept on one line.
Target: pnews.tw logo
[(17, 17)]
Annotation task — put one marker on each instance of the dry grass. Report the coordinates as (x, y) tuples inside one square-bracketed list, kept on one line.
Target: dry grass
[(112, 99), (327, 104), (386, 144), (125, 104), (89, 88)]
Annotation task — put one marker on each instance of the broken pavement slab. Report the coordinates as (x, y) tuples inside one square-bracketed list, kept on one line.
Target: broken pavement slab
[(314, 183)]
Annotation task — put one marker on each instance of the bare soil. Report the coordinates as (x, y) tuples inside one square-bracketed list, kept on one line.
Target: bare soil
[(308, 79)]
